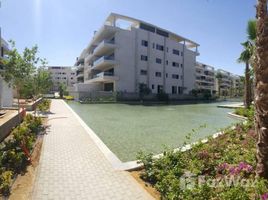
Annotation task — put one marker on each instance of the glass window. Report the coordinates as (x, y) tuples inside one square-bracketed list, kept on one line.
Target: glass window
[(176, 52), (143, 72), (144, 43), (159, 47), (158, 74), (174, 89), (158, 60), (175, 76), (174, 64), (144, 58)]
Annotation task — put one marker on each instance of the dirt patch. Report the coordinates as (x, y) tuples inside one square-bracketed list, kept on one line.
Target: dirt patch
[(147, 186)]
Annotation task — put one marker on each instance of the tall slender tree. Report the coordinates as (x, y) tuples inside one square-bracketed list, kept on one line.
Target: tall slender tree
[(246, 57), (261, 88)]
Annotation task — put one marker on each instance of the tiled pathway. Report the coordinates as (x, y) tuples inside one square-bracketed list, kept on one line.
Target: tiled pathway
[(73, 167)]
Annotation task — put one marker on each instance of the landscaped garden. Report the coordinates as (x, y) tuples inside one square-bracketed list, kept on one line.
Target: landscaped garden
[(222, 168), (16, 150), (127, 129)]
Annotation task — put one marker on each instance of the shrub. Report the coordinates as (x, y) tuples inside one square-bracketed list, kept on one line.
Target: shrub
[(44, 105), (15, 151), (5, 182), (231, 154), (68, 97), (33, 123), (249, 113), (162, 96)]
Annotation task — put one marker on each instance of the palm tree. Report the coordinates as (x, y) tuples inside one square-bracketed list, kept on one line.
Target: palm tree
[(261, 88), (246, 57)]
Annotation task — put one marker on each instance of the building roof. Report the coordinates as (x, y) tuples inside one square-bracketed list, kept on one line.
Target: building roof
[(136, 23)]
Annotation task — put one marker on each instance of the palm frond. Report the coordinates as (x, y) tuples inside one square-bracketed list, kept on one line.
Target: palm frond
[(251, 30)]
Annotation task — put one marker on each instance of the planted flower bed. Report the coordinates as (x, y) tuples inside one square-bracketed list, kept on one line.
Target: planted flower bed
[(222, 168), (15, 151)]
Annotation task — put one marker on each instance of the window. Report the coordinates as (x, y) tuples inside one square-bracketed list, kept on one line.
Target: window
[(158, 60), (166, 75), (159, 88), (166, 62), (181, 65), (143, 57), (180, 90), (72, 78), (152, 86), (158, 74), (162, 33), (167, 49), (153, 45), (143, 72), (159, 47), (174, 90), (174, 64), (175, 76), (144, 43), (147, 27), (176, 52)]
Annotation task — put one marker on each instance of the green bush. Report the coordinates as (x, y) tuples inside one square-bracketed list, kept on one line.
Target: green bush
[(231, 154), (5, 182), (33, 123), (162, 96), (249, 113), (13, 152), (44, 105)]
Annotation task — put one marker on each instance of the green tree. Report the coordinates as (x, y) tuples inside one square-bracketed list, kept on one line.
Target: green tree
[(62, 90), (246, 57), (261, 88), (18, 69), (42, 80), (143, 90)]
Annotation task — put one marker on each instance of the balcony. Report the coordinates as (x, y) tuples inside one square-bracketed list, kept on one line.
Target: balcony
[(104, 47), (104, 63), (80, 67), (103, 77), (4, 44), (79, 74), (104, 32)]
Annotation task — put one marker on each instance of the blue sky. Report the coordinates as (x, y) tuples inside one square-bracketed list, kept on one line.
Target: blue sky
[(62, 28)]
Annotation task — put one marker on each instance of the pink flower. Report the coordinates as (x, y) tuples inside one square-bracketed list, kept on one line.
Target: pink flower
[(264, 196)]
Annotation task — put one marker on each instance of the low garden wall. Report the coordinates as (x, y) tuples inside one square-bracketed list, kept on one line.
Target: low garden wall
[(12, 121), (32, 106)]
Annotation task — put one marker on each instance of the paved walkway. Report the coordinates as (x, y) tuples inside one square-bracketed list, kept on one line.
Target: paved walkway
[(73, 167)]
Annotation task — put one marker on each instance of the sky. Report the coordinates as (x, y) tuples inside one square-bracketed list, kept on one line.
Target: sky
[(63, 28)]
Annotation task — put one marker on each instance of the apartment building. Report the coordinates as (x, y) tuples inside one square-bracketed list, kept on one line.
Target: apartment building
[(205, 77), (127, 52), (62, 75), (227, 83), (6, 92)]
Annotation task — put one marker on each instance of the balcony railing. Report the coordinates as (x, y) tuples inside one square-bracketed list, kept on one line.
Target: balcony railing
[(102, 74), (102, 59), (107, 43)]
